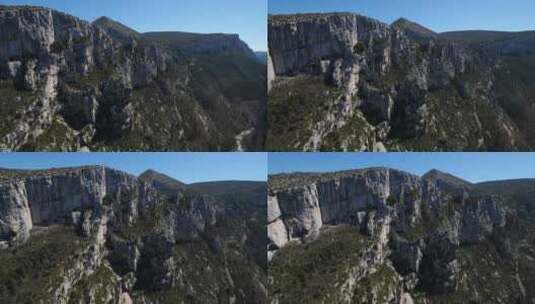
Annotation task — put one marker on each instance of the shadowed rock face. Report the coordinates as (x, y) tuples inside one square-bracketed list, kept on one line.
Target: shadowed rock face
[(423, 230), (143, 243), (68, 85), (398, 86)]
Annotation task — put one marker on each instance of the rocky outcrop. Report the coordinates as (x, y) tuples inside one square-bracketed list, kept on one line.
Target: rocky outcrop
[(16, 221), (392, 80), (347, 199), (415, 225), (77, 195), (88, 85), (192, 218), (126, 238)]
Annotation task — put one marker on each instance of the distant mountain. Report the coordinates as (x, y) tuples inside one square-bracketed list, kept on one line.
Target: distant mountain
[(162, 182), (116, 29), (413, 29), (246, 195), (193, 43), (225, 187), (452, 183), (475, 36), (262, 56)]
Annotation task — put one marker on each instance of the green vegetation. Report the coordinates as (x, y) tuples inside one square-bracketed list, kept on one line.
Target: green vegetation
[(57, 47), (391, 201), (516, 92), (28, 271), (359, 48), (96, 77), (383, 283), (148, 222), (81, 40), (13, 103), (310, 273), (102, 282), (235, 76), (55, 136), (357, 133), (294, 108), (205, 276), (486, 278)]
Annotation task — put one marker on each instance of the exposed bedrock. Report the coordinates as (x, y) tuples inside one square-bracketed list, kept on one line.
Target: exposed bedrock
[(417, 224), (393, 81)]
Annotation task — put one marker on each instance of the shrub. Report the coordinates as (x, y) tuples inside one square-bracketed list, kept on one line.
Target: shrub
[(359, 48), (81, 40), (57, 47), (391, 201)]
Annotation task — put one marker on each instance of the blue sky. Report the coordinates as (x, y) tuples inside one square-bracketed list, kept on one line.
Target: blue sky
[(186, 167), (245, 17), (474, 167), (439, 15)]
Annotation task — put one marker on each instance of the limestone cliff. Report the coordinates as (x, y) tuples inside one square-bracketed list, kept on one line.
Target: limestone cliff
[(67, 84), (343, 81), (380, 235), (123, 241)]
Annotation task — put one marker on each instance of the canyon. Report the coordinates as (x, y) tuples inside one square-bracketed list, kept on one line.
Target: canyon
[(70, 85), (347, 82), (381, 235), (98, 235)]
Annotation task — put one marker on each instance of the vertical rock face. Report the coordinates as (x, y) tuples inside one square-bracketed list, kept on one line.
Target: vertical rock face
[(391, 79), (84, 85), (416, 227), (299, 43), (480, 218), (305, 208), (16, 220), (121, 238), (192, 218), (55, 197), (270, 72)]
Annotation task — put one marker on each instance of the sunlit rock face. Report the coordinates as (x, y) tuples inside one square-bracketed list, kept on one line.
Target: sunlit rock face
[(419, 230), (90, 86), (393, 87), (97, 224)]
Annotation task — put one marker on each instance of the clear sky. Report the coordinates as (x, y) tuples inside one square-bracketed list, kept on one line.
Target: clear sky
[(474, 167), (439, 15), (186, 167), (245, 17)]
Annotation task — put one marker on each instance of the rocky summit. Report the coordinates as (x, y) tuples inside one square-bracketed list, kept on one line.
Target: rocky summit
[(98, 235), (380, 235), (342, 81), (69, 85)]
